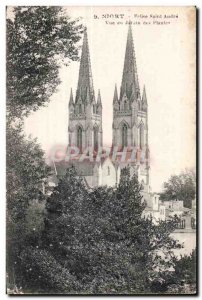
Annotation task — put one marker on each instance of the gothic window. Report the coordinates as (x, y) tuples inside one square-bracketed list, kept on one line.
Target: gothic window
[(80, 108), (124, 135), (79, 137), (95, 138), (70, 141), (141, 136), (94, 109), (125, 105)]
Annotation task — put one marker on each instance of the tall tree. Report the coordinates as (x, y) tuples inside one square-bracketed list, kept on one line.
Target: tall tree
[(180, 187), (101, 238), (26, 175), (39, 39)]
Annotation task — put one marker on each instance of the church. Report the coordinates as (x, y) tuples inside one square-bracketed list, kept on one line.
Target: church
[(129, 124), (129, 131)]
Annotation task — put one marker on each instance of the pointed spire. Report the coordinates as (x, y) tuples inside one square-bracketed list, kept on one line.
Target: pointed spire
[(71, 99), (144, 96), (88, 98), (115, 99), (99, 101), (130, 81), (85, 81)]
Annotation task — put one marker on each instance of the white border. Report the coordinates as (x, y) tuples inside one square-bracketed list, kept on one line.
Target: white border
[(4, 3)]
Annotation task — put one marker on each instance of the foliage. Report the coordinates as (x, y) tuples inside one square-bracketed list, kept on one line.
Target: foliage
[(39, 38), (44, 273), (100, 237), (183, 279), (26, 175), (185, 268), (181, 187)]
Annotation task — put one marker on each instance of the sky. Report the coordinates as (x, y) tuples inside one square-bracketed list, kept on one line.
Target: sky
[(165, 56)]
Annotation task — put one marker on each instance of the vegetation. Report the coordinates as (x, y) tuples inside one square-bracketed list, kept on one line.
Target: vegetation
[(98, 242), (77, 240), (181, 187), (39, 39)]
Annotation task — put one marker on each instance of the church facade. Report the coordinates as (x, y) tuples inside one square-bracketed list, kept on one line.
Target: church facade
[(129, 132), (129, 125)]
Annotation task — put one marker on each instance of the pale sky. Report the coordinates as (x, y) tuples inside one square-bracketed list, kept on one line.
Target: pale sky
[(165, 56)]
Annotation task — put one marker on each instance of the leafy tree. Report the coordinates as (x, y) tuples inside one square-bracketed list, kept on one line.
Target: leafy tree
[(44, 274), (26, 175), (39, 39), (66, 217), (180, 187), (185, 268), (100, 237), (183, 279)]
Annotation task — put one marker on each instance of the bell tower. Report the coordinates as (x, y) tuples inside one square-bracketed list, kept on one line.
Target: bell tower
[(85, 112), (130, 113)]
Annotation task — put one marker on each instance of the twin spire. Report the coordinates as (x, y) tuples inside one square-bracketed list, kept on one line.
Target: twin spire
[(130, 83), (85, 91)]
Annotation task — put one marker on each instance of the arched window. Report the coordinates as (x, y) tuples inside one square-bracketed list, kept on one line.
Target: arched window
[(141, 136), (80, 108), (95, 138), (125, 105), (70, 140), (108, 170), (124, 135), (79, 137), (94, 109)]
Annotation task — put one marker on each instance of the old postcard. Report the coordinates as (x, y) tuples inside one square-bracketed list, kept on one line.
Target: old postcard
[(101, 150)]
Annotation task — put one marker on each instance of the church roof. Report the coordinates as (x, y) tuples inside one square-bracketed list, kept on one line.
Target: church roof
[(85, 81), (84, 167), (130, 83)]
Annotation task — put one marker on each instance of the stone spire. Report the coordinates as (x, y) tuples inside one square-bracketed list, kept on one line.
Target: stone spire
[(144, 96), (99, 101), (144, 100), (130, 84), (85, 82), (71, 100), (115, 99)]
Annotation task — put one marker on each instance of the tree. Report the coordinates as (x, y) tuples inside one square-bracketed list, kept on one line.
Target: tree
[(185, 268), (180, 187), (100, 237), (39, 39), (44, 274), (26, 175), (183, 279)]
